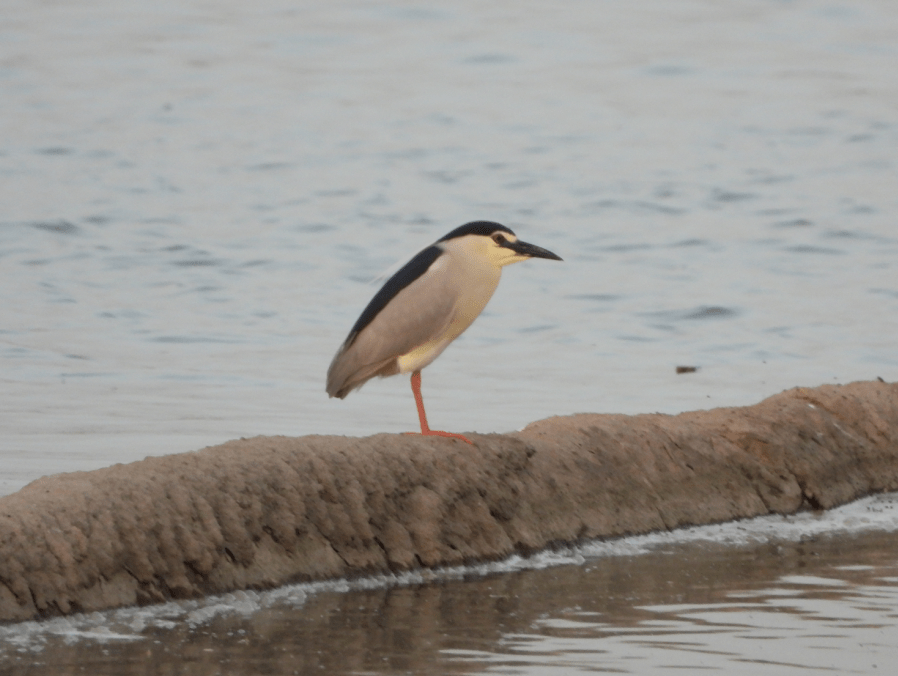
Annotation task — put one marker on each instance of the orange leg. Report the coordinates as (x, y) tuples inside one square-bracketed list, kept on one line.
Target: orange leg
[(419, 402)]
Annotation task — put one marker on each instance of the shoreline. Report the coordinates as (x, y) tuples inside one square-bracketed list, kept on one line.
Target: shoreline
[(262, 512)]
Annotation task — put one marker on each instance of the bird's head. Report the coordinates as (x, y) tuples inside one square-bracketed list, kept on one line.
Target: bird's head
[(493, 242)]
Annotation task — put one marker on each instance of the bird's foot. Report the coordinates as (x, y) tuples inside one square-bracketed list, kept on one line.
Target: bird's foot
[(438, 433)]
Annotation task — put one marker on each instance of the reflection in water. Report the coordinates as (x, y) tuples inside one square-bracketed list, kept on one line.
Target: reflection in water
[(779, 607), (823, 601)]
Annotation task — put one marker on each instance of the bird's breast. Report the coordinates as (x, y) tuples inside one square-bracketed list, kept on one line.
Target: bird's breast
[(472, 286), (474, 292)]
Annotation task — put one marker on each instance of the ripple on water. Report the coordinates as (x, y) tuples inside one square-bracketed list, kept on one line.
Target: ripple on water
[(60, 227), (814, 250), (697, 313)]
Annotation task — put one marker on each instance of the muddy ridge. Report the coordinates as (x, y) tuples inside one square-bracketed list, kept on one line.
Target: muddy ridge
[(262, 512)]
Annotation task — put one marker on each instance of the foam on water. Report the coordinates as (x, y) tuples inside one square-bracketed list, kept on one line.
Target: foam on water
[(874, 513)]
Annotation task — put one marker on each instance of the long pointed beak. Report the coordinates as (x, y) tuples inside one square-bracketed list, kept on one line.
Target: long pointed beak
[(531, 250)]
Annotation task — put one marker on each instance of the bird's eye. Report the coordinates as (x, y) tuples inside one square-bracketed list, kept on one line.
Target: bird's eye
[(499, 239)]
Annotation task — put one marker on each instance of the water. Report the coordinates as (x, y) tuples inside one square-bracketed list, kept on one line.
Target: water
[(195, 199)]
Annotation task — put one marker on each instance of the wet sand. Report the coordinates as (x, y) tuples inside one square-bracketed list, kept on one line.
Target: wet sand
[(261, 512)]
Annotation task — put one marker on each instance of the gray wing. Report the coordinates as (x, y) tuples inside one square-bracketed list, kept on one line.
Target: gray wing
[(417, 314)]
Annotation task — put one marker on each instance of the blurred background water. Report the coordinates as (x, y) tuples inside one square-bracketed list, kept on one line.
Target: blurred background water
[(198, 198), (196, 201)]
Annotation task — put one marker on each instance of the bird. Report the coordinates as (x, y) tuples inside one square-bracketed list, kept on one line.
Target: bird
[(426, 305)]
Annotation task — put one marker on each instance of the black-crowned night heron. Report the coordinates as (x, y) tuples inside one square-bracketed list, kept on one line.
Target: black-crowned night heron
[(425, 306)]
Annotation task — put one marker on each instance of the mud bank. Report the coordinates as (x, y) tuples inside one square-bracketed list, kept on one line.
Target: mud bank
[(261, 512)]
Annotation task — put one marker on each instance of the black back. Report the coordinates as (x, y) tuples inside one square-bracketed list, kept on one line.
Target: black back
[(407, 274)]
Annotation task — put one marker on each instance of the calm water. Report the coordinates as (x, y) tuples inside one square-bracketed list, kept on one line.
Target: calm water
[(196, 199)]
